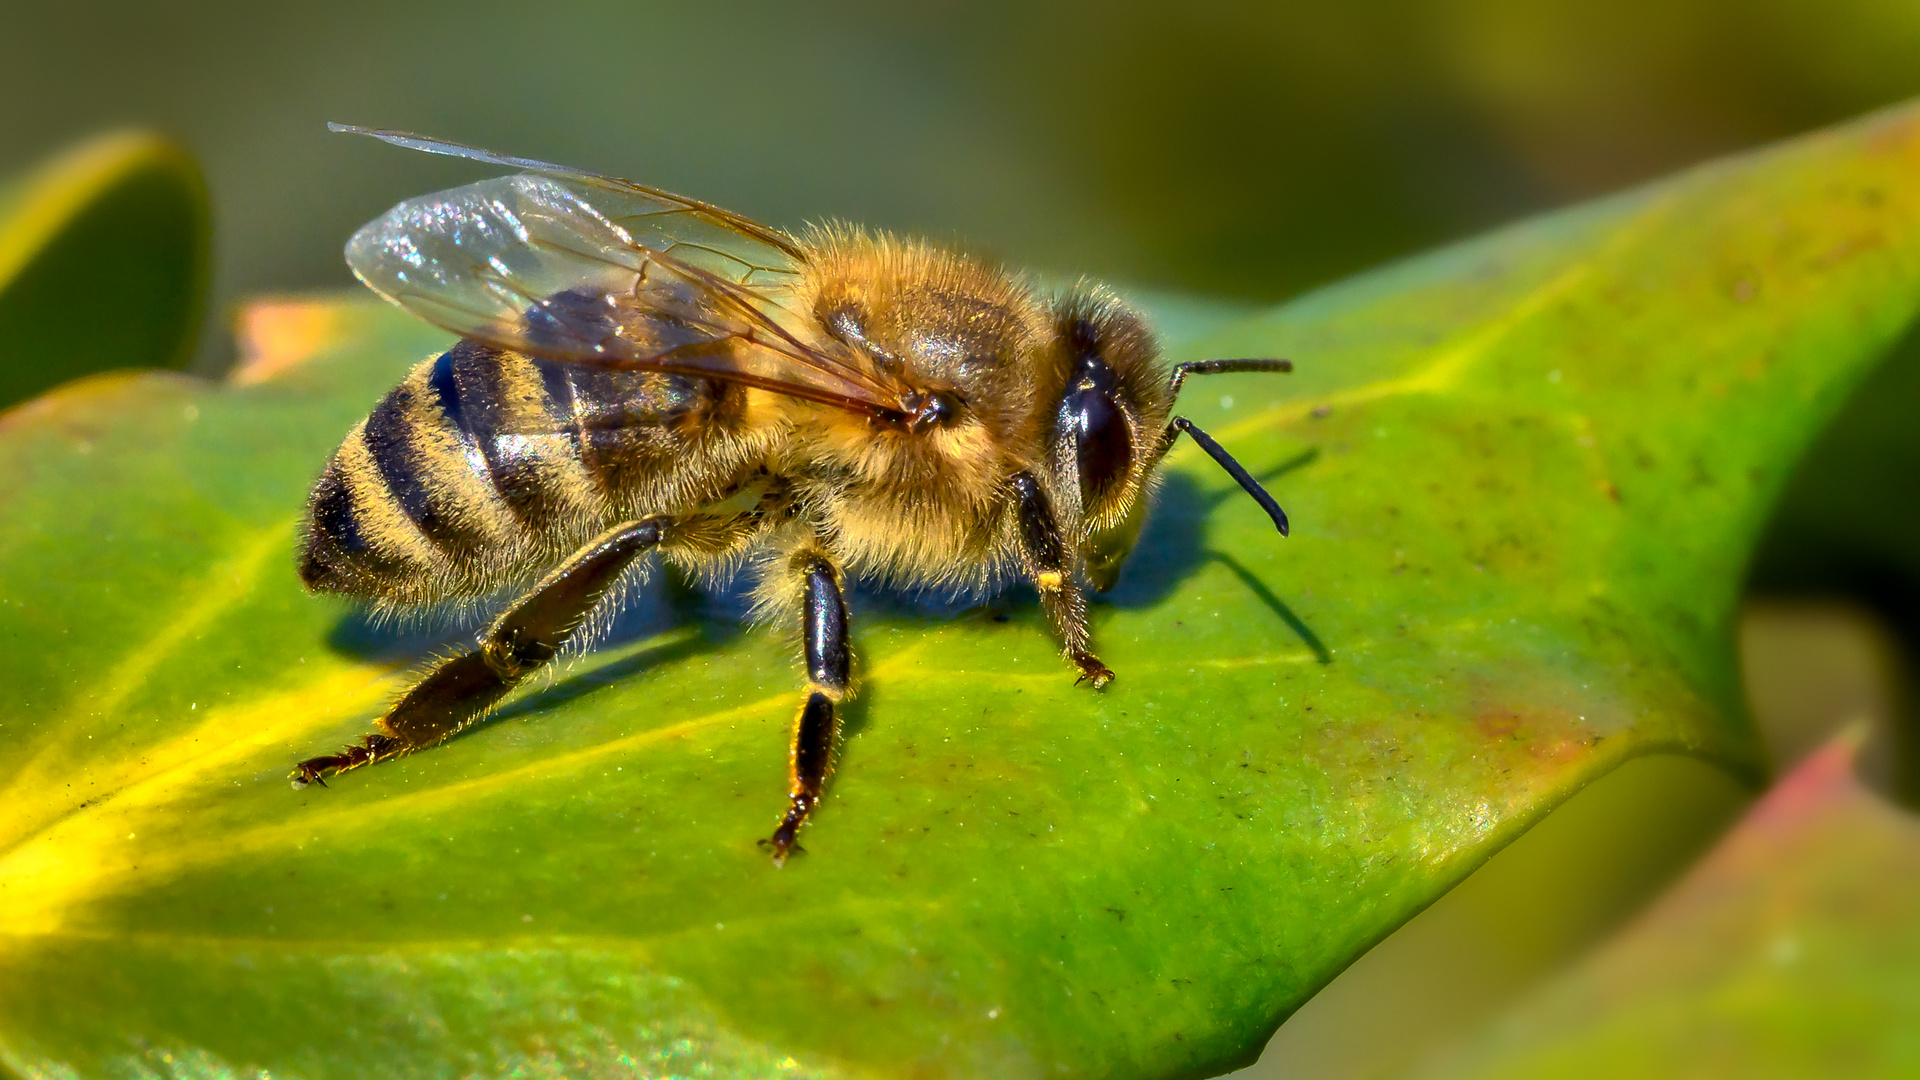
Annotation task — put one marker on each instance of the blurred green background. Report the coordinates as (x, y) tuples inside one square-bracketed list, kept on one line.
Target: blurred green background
[(1236, 149), (1241, 151)]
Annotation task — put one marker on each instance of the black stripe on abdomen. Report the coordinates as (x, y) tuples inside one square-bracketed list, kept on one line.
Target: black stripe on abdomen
[(473, 388), (337, 557), (424, 488)]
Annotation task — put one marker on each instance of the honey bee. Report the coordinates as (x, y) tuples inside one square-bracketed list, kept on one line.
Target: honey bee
[(643, 374)]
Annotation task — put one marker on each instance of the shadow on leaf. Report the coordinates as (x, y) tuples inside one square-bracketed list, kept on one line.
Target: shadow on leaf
[(1172, 547)]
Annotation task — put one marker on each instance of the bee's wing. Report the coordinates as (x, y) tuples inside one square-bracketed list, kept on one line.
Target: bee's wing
[(589, 269)]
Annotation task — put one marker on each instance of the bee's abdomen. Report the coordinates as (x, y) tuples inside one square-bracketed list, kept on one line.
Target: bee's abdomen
[(486, 466), (432, 498)]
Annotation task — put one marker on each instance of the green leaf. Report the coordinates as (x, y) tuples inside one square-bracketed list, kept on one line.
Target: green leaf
[(1792, 950), (103, 263), (1526, 475)]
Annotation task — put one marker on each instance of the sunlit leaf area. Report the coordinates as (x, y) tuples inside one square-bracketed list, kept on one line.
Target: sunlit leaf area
[(1568, 733)]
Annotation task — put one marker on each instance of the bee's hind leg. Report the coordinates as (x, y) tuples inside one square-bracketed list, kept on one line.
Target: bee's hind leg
[(824, 625), (528, 635)]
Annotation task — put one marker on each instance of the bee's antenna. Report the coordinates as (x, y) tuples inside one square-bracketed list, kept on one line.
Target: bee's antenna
[(1221, 367), (1214, 450), (1219, 453)]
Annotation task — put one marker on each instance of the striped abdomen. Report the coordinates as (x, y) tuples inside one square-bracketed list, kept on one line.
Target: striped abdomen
[(485, 467)]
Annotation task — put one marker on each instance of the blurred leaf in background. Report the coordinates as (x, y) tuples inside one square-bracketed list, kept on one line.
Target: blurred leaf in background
[(1849, 525), (1793, 951), (103, 264)]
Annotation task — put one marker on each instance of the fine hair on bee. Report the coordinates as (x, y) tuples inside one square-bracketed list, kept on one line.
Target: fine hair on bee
[(644, 378)]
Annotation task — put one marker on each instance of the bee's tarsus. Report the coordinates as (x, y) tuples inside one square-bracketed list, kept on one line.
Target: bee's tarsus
[(782, 843), (1092, 671), (369, 749)]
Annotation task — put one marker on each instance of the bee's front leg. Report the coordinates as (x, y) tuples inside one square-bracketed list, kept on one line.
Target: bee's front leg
[(518, 643), (1045, 557), (829, 660)]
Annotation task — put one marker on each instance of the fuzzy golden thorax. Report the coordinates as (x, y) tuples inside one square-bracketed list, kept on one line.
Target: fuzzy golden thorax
[(924, 505)]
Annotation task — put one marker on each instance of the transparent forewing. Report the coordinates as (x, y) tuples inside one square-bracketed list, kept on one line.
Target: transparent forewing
[(647, 212), (591, 270)]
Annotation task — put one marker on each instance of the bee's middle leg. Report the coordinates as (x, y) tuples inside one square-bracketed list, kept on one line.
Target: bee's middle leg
[(824, 625), (518, 643)]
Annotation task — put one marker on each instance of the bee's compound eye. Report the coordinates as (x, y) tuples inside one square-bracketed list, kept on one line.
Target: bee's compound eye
[(1102, 441)]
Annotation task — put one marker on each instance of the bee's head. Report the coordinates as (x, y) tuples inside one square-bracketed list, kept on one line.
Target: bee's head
[(1108, 428), (1113, 425)]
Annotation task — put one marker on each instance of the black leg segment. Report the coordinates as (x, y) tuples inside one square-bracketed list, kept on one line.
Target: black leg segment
[(518, 643), (829, 660), (1039, 532), (813, 736), (1045, 554), (826, 628)]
